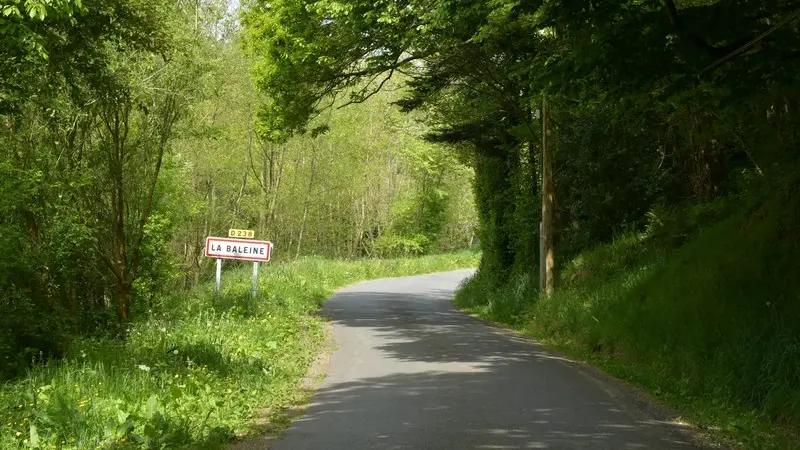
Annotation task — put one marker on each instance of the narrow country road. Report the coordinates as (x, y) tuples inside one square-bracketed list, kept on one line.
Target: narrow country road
[(410, 372)]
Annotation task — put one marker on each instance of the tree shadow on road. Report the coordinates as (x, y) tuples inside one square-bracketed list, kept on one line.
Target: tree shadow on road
[(466, 411), (467, 386)]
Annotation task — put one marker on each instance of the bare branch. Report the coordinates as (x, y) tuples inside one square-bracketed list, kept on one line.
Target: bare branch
[(381, 69), (752, 42), (374, 91)]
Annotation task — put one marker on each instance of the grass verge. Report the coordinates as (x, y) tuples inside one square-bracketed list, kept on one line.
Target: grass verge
[(198, 370), (709, 327)]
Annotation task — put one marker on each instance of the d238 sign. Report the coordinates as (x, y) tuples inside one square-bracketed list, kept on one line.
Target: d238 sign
[(244, 249), (237, 233)]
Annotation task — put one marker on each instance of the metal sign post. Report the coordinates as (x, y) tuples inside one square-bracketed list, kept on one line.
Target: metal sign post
[(254, 291), (219, 277)]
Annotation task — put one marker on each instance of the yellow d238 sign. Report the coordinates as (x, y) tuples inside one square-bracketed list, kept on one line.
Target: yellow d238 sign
[(235, 233)]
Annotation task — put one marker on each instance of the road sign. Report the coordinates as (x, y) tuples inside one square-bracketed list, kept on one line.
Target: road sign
[(237, 233), (244, 249)]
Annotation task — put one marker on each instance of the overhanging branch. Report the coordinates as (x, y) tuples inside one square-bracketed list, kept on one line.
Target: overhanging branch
[(752, 42)]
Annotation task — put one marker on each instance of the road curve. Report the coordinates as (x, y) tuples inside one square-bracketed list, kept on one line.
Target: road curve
[(410, 372)]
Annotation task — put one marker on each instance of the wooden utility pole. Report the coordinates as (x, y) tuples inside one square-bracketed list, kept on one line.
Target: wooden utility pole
[(548, 201)]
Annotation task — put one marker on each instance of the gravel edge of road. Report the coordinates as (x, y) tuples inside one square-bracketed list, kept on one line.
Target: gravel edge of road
[(271, 430)]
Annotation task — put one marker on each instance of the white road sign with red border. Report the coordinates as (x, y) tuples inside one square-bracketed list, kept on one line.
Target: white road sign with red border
[(244, 249)]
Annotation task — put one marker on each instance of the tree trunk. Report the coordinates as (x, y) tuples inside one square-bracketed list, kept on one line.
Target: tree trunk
[(533, 161), (275, 186), (548, 201), (308, 199), (123, 299), (73, 308), (263, 209), (239, 196)]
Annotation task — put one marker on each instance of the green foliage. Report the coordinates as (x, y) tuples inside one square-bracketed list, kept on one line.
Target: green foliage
[(389, 245), (332, 194), (20, 21), (128, 137), (301, 49), (196, 372), (707, 327), (643, 111), (659, 110), (86, 127), (426, 217), (131, 125), (506, 209)]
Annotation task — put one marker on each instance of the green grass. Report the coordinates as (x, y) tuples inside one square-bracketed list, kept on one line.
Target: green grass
[(710, 328), (197, 371)]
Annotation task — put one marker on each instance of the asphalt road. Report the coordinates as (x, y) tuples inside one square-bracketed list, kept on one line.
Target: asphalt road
[(410, 372)]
